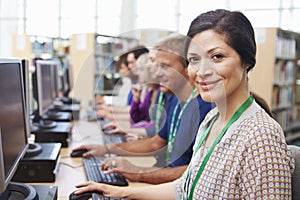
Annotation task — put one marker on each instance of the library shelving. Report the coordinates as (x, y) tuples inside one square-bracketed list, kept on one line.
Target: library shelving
[(32, 46), (274, 78), (93, 58)]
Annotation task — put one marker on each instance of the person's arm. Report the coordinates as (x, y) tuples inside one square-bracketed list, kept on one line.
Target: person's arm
[(152, 192), (162, 175), (153, 175), (147, 146), (113, 113)]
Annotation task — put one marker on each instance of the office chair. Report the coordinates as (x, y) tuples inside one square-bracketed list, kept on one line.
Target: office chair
[(296, 175)]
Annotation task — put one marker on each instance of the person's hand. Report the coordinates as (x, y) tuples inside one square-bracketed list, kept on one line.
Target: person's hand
[(123, 167), (113, 127), (101, 113), (99, 99), (110, 125), (136, 92), (105, 189), (93, 150)]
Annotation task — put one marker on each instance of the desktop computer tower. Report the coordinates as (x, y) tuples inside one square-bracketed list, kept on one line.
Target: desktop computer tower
[(60, 133), (41, 167), (74, 109)]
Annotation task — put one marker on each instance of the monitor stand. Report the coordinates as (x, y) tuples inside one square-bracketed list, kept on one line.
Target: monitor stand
[(53, 114), (16, 190), (58, 116), (46, 124), (68, 100), (33, 149)]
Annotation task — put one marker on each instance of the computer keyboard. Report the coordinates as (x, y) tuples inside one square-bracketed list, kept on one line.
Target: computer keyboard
[(96, 196), (92, 167), (114, 138), (103, 122)]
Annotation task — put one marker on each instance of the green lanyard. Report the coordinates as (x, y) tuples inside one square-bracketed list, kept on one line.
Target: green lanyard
[(174, 127), (160, 106), (235, 116)]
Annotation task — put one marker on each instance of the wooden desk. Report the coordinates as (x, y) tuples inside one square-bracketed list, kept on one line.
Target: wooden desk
[(71, 170)]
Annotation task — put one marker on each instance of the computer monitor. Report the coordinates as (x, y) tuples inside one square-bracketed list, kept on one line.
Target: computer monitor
[(25, 75), (67, 81), (33, 148), (52, 67), (56, 83), (13, 120), (43, 93)]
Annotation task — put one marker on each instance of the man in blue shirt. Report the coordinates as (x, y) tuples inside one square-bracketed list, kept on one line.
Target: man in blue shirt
[(174, 141)]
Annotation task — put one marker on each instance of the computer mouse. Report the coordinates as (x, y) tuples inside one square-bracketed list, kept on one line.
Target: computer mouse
[(78, 153), (83, 196)]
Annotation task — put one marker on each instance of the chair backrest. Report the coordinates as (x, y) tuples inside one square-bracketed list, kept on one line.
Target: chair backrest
[(296, 174)]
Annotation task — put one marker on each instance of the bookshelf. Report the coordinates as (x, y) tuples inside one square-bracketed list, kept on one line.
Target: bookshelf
[(93, 59), (274, 77), (31, 46)]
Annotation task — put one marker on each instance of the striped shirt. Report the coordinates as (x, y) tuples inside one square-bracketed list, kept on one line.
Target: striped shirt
[(251, 161)]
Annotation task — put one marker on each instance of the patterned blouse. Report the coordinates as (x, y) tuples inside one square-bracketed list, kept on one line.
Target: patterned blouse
[(251, 161)]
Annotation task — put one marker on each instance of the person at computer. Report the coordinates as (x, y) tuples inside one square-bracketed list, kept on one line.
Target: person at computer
[(112, 106), (143, 108), (126, 77), (176, 137), (240, 150)]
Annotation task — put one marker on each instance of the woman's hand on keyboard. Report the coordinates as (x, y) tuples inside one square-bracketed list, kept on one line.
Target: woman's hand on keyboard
[(123, 167)]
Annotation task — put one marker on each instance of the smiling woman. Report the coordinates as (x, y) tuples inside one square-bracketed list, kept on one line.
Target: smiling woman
[(221, 50)]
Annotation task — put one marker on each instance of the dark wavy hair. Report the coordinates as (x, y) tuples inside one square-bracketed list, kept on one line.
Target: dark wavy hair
[(239, 35)]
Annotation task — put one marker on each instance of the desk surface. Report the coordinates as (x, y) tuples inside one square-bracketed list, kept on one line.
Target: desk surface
[(71, 170)]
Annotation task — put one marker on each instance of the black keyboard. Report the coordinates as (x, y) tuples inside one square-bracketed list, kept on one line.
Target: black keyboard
[(92, 167), (114, 138), (96, 196)]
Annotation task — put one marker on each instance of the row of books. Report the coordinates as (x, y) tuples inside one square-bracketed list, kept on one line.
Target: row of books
[(282, 97), (285, 47), (284, 71)]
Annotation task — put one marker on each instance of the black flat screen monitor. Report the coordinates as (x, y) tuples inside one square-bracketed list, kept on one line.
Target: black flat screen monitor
[(67, 81), (49, 71), (43, 93), (25, 75), (44, 88), (14, 122)]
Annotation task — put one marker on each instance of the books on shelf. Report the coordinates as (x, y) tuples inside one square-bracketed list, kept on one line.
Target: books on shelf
[(284, 72), (285, 47), (282, 97)]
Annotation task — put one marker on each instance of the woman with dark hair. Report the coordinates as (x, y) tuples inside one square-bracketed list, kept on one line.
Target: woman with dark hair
[(240, 150)]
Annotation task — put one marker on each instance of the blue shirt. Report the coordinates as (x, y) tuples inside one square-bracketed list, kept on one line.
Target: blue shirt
[(191, 118), (129, 98)]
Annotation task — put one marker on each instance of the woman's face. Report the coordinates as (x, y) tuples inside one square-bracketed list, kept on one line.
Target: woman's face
[(215, 67), (152, 62), (131, 63), (142, 73), (124, 70)]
